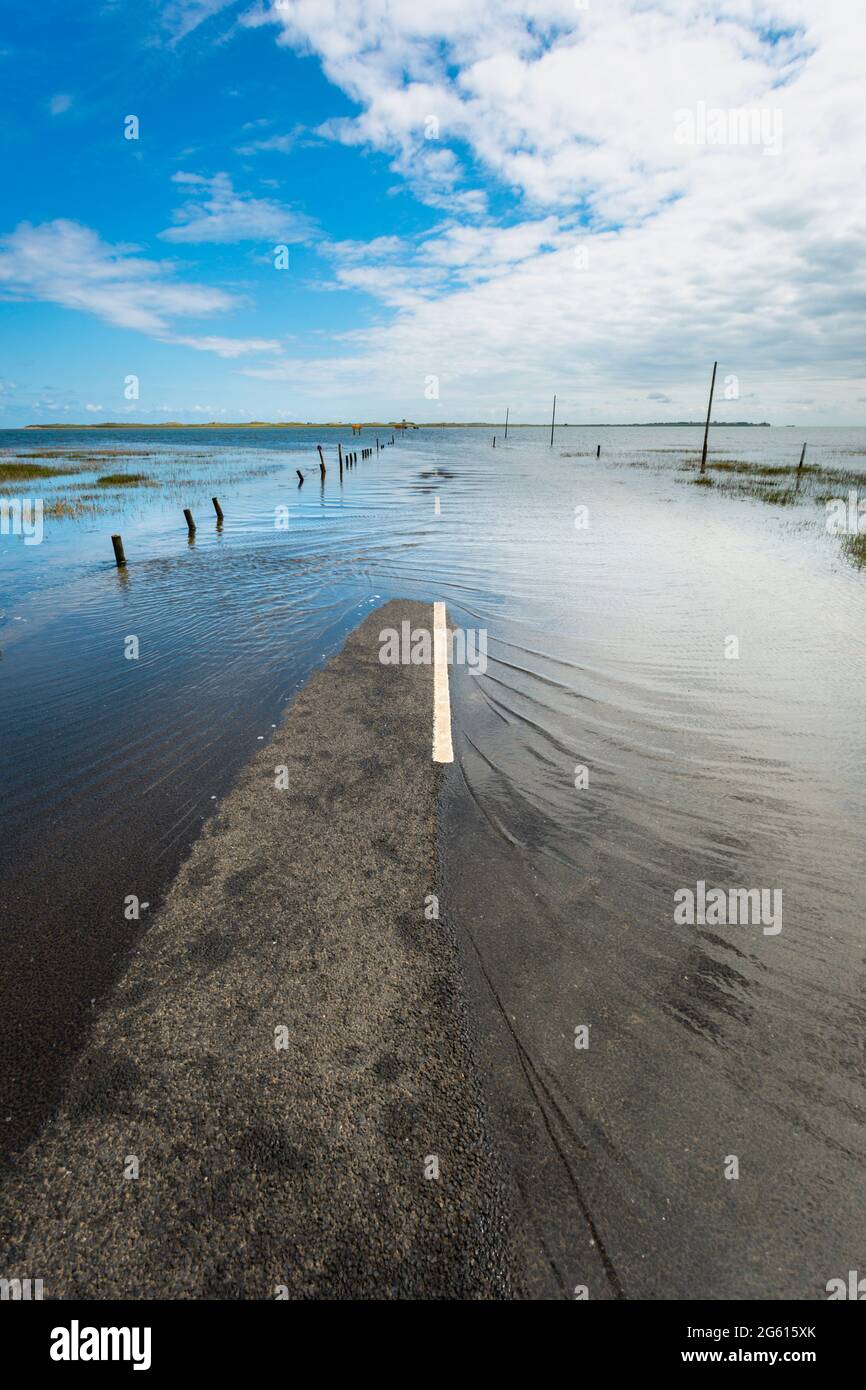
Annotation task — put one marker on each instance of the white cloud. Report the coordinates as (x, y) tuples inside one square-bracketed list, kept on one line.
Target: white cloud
[(279, 144), (59, 103), (181, 17), (65, 263), (689, 252), (230, 347), (559, 103), (216, 213)]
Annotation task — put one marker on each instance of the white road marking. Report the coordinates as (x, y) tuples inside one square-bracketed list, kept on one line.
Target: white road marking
[(443, 751)]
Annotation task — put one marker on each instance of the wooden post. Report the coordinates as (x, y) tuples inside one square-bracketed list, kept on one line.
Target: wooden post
[(340, 453), (506, 421), (800, 469), (118, 551), (190, 524), (709, 413), (300, 477), (377, 443), (494, 441), (217, 508), (598, 452), (321, 460), (552, 422)]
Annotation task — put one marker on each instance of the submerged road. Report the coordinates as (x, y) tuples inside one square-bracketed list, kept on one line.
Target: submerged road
[(278, 1099)]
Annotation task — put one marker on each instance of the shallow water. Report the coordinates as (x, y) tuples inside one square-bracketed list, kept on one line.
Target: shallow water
[(606, 649)]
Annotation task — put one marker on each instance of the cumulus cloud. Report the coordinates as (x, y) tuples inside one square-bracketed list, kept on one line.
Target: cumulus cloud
[(63, 262), (643, 236), (557, 102)]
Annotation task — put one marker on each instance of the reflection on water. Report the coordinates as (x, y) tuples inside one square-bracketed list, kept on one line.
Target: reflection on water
[(606, 651)]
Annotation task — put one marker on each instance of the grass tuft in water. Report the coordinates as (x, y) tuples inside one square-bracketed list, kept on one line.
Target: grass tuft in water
[(24, 472), (123, 480), (65, 506), (855, 549)]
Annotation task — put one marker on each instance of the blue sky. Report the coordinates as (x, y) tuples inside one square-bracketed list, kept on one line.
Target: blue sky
[(483, 204)]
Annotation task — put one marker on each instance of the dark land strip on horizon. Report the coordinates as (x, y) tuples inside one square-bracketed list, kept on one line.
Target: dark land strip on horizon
[(302, 1167), (403, 426)]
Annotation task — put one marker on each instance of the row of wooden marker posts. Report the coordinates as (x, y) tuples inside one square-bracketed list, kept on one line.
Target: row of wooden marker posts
[(349, 459)]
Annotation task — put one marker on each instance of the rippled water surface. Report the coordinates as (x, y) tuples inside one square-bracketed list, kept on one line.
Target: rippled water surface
[(606, 649)]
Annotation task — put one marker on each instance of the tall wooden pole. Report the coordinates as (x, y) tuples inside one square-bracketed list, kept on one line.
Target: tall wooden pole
[(709, 413), (506, 421), (552, 422), (800, 469)]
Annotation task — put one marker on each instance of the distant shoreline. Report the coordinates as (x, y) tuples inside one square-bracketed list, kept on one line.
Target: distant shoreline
[(410, 425)]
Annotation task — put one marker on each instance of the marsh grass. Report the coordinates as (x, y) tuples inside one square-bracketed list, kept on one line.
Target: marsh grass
[(70, 507), (125, 480), (855, 549), (14, 472), (85, 455), (786, 485)]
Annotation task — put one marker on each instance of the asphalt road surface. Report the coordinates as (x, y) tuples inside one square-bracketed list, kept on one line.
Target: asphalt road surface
[(286, 1062)]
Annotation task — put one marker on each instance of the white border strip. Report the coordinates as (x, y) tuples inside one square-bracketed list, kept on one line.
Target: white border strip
[(443, 752)]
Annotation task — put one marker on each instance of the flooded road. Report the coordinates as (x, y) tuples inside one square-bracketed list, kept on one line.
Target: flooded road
[(681, 1104)]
